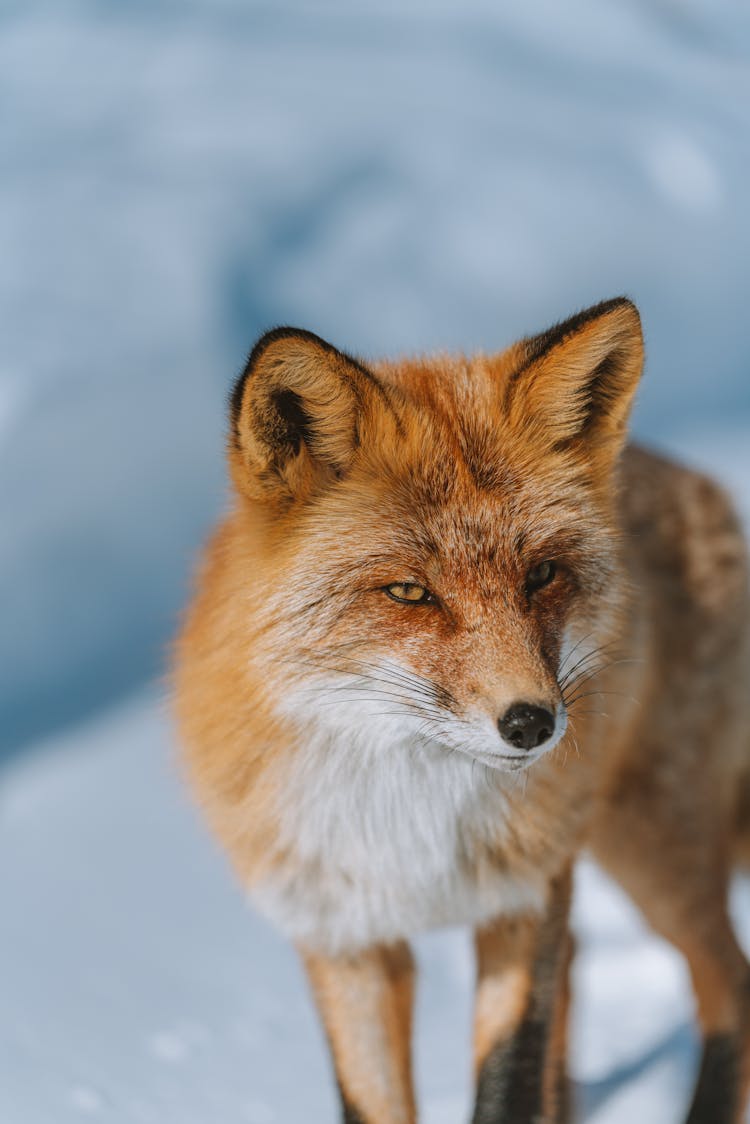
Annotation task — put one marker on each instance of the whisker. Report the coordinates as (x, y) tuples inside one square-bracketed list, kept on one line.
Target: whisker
[(589, 656), (573, 650), (413, 683), (588, 713), (590, 665), (407, 709), (615, 694), (580, 680)]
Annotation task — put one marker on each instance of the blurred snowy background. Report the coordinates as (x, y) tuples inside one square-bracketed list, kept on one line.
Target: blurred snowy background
[(178, 176)]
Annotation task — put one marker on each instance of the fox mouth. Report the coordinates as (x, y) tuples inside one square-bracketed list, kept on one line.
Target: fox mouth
[(505, 762)]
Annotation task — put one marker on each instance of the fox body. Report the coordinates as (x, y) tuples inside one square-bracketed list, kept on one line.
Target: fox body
[(451, 631)]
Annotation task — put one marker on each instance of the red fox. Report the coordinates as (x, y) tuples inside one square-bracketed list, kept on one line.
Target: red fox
[(452, 631)]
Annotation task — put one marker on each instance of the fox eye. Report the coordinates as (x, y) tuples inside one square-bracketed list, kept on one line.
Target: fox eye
[(408, 593), (540, 575)]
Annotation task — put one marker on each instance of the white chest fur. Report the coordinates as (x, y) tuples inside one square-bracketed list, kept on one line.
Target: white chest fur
[(386, 836)]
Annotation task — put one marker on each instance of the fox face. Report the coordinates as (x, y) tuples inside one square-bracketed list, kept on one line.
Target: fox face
[(440, 534)]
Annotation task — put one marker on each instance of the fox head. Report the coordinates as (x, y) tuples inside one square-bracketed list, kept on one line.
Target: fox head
[(437, 542)]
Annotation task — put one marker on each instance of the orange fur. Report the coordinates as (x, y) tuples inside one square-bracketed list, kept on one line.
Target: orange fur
[(460, 476), (504, 955), (365, 1003)]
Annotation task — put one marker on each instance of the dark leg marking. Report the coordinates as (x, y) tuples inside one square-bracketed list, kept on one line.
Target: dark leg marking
[(511, 1081), (564, 1097), (511, 1086), (562, 1087), (716, 1099), (351, 1114)]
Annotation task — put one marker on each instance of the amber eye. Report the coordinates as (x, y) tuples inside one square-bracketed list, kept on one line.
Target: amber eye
[(541, 575), (408, 593)]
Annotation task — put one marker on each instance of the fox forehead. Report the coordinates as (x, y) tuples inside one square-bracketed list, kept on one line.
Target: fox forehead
[(384, 521), (454, 435), (459, 449), (457, 489)]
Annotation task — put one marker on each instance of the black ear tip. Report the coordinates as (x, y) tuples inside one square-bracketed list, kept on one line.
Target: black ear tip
[(537, 346), (629, 323), (273, 335), (625, 304), (235, 398), (604, 308)]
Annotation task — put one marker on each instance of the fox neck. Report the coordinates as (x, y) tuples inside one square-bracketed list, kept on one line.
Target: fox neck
[(382, 837)]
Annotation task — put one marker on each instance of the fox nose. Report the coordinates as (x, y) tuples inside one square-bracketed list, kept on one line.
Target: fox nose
[(525, 726)]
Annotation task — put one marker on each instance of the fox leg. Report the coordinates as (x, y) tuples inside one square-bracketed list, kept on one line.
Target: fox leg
[(679, 880), (365, 1003), (721, 981), (559, 1092), (521, 1011)]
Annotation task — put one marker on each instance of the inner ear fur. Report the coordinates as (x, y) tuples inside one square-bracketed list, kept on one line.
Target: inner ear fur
[(576, 382), (296, 413)]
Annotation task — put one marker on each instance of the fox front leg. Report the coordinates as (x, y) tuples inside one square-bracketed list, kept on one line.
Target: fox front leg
[(521, 1013), (365, 1002)]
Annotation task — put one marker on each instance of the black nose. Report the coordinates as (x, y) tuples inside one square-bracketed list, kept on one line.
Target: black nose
[(526, 726)]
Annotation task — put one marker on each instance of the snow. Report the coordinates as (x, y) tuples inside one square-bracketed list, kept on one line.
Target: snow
[(176, 178)]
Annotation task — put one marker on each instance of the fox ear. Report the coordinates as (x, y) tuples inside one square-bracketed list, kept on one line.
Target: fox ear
[(295, 414), (577, 381)]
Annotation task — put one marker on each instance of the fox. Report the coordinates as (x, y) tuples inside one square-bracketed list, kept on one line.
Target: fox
[(453, 630)]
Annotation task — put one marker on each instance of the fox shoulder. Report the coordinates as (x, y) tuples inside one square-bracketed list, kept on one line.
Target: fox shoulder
[(687, 534)]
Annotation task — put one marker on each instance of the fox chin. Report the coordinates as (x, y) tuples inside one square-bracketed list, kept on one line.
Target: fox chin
[(453, 629)]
